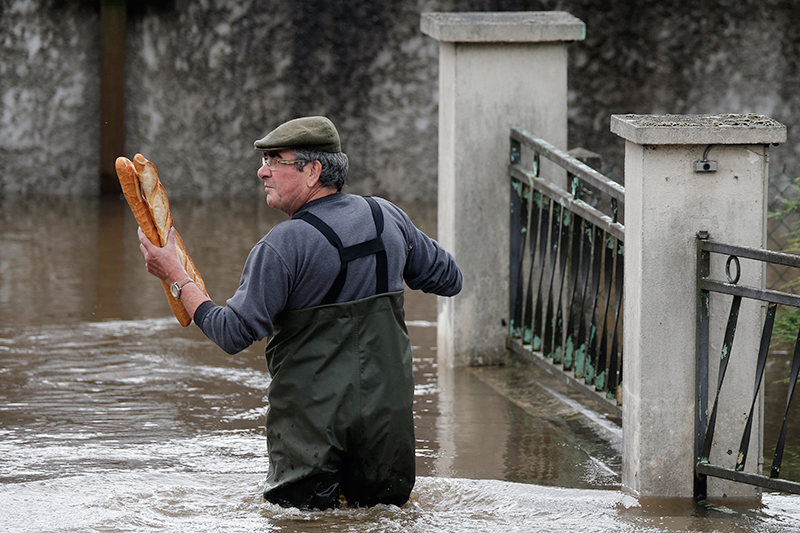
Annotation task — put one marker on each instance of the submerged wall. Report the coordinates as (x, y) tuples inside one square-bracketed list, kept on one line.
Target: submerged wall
[(49, 98), (205, 79), (205, 83)]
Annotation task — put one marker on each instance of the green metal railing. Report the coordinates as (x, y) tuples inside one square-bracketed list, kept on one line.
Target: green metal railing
[(566, 279), (567, 251), (723, 466)]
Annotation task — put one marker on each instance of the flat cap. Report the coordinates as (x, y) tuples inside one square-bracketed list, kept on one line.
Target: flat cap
[(315, 133)]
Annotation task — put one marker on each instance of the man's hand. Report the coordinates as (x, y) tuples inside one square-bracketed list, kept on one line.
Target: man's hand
[(163, 263)]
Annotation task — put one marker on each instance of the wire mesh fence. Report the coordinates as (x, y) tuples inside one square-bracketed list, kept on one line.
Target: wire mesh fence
[(783, 227), (783, 224)]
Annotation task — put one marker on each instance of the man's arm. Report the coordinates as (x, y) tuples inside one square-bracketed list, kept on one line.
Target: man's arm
[(430, 268), (164, 264)]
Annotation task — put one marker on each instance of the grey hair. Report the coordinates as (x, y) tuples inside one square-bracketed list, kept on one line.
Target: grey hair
[(334, 166)]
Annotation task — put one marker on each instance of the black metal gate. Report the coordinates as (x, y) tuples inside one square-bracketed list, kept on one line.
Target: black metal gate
[(707, 423), (566, 278)]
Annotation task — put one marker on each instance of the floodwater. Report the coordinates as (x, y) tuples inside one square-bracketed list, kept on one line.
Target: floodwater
[(115, 418)]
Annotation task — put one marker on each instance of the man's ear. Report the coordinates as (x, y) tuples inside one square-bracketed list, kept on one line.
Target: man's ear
[(315, 168)]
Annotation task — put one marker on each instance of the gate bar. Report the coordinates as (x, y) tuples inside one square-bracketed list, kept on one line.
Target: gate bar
[(783, 485), (705, 426)]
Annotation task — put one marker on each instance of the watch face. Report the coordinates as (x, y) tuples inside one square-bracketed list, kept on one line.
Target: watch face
[(175, 291)]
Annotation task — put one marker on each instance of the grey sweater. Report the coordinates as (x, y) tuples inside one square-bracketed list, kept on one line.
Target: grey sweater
[(293, 266)]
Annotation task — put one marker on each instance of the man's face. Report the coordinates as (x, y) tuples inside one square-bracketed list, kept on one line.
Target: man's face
[(286, 187)]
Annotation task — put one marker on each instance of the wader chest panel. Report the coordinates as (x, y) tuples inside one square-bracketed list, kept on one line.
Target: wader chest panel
[(340, 418)]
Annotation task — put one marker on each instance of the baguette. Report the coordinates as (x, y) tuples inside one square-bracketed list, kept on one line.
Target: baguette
[(148, 201)]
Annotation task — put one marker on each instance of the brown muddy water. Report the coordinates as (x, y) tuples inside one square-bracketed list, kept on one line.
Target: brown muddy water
[(115, 418)]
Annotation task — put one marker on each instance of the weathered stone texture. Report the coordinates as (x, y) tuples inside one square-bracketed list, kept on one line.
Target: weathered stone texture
[(49, 98), (658, 57), (206, 82), (207, 78)]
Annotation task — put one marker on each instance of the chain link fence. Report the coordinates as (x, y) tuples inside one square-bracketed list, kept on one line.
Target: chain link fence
[(783, 224), (783, 227)]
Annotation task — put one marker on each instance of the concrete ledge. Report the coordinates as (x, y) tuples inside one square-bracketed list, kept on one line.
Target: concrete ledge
[(698, 129), (525, 26)]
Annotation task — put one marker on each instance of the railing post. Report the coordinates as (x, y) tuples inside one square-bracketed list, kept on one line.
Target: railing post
[(683, 175), (496, 70), (701, 362)]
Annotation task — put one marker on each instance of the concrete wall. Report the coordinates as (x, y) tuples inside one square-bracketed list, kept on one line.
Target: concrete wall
[(49, 98), (207, 78), (205, 82)]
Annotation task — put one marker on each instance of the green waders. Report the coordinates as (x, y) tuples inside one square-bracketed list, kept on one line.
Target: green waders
[(340, 419)]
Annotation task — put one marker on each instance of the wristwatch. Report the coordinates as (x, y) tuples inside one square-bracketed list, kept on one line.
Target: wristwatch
[(176, 288)]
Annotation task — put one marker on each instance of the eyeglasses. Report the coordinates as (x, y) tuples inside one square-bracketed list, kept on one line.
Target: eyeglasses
[(273, 162)]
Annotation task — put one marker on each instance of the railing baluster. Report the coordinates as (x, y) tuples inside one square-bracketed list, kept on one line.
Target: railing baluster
[(549, 320), (538, 317), (584, 310), (727, 345), (600, 381), (562, 263), (594, 293), (573, 325), (533, 236), (766, 336), (519, 228), (775, 471), (614, 365)]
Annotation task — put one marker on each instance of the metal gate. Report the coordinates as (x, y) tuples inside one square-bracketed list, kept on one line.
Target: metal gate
[(566, 278), (707, 423)]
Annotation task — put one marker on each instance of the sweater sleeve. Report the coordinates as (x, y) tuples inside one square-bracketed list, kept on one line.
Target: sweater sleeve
[(247, 315), (429, 267)]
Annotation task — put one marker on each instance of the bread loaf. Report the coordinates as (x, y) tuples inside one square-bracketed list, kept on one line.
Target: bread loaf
[(148, 201)]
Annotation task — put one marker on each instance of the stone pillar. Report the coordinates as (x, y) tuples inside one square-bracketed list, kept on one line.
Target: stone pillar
[(666, 203), (496, 70)]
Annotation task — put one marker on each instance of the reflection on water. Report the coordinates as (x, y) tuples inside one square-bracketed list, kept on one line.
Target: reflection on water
[(115, 418), (776, 386)]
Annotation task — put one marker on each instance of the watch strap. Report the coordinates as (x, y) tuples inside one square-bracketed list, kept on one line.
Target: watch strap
[(178, 287), (184, 282)]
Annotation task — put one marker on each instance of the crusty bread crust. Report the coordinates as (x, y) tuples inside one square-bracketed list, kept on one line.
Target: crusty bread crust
[(148, 201)]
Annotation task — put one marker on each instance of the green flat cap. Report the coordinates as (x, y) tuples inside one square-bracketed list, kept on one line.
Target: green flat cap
[(315, 133)]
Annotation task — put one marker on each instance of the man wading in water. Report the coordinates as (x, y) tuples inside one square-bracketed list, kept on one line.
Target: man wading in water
[(327, 286)]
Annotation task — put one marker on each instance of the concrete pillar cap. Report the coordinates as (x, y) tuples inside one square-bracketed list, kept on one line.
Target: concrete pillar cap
[(699, 129), (507, 27)]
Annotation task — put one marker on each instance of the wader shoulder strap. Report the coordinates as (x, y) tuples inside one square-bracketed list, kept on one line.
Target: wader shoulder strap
[(356, 251)]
